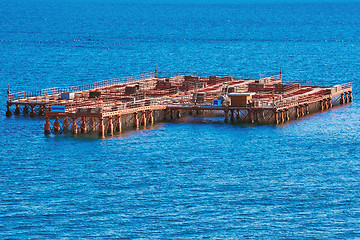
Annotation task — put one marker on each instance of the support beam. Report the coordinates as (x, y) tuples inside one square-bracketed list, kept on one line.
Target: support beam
[(8, 111), (276, 115), (74, 126), (17, 110), (171, 114), (136, 120), (143, 118), (322, 105), (251, 115), (330, 102), (118, 124), (258, 116), (83, 127), (232, 116), (41, 110), (226, 113), (26, 109), (350, 96), (66, 124), (56, 125), (110, 129), (165, 115), (307, 108), (47, 127), (346, 97), (101, 130), (151, 117), (297, 111), (92, 124), (32, 111), (282, 116), (287, 118)]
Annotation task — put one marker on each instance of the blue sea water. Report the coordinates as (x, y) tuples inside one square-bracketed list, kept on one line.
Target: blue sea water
[(180, 180)]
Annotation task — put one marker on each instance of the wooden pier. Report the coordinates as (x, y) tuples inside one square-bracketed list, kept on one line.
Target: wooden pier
[(119, 104)]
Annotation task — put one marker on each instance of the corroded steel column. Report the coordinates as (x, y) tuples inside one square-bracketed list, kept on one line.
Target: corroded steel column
[(143, 118), (25, 110), (258, 115), (66, 124), (83, 125), (297, 111), (165, 114), (74, 126), (101, 130), (330, 103), (111, 126), (17, 110), (276, 117), (118, 124), (151, 117), (350, 96), (8, 111), (136, 120), (346, 97), (322, 105), (307, 108), (287, 118), (232, 116), (226, 112), (41, 110), (251, 115), (47, 127), (56, 124), (92, 124), (171, 114)]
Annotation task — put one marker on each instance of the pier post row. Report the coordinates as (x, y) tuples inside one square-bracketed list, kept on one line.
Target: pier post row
[(126, 103)]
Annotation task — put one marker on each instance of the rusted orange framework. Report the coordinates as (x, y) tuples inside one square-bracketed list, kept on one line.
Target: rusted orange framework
[(123, 103)]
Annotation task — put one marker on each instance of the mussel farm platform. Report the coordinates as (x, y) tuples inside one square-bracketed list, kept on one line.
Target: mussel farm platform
[(125, 103)]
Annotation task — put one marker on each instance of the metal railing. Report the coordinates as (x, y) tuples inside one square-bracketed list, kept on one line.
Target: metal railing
[(272, 75), (79, 88)]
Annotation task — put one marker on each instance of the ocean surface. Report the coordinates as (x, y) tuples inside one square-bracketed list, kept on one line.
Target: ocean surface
[(196, 180)]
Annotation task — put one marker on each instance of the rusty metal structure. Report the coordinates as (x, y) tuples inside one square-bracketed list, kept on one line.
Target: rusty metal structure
[(119, 104)]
